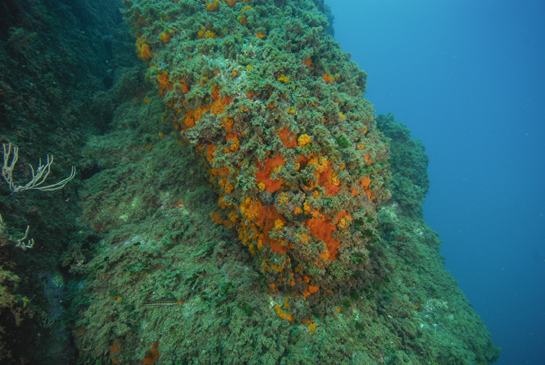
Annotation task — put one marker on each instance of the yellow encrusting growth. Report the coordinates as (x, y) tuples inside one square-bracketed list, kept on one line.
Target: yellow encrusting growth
[(303, 140)]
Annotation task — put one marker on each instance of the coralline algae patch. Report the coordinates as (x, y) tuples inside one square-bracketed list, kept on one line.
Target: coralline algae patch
[(277, 110)]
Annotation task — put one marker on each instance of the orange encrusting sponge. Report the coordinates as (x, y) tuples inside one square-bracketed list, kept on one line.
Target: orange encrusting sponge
[(322, 230), (264, 175)]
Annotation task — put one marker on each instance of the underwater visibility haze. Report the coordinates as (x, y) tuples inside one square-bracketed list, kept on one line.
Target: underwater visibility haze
[(219, 182), (467, 78)]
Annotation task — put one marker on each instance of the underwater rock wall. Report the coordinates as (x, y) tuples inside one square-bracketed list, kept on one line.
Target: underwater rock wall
[(168, 284), (254, 106), (59, 60), (307, 259), (409, 164), (277, 110)]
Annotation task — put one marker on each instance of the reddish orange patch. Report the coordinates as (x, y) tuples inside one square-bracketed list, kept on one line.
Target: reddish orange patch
[(229, 124), (210, 153), (267, 218), (281, 313), (115, 348), (367, 160), (289, 140), (328, 181), (234, 142), (163, 82), (216, 107), (329, 79), (143, 50), (365, 182), (321, 229), (213, 6), (264, 175), (165, 37), (152, 356)]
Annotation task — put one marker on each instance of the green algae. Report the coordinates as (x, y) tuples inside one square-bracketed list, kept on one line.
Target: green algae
[(408, 163), (145, 234), (248, 73), (409, 311), (58, 63)]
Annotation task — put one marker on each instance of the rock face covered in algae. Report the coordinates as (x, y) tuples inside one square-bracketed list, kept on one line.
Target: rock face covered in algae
[(307, 259), (277, 109)]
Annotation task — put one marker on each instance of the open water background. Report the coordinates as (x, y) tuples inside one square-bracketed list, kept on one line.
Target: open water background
[(468, 78)]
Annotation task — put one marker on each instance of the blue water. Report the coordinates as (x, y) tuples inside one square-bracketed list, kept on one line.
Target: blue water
[(468, 78)]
